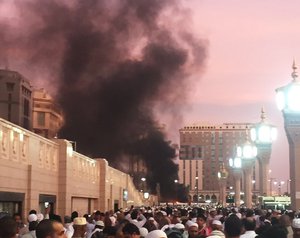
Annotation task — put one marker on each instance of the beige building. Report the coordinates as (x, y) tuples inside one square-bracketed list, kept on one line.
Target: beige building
[(15, 99), (203, 149), (47, 115), (36, 172)]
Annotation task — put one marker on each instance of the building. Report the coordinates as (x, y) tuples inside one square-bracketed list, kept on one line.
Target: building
[(36, 172), (203, 149), (47, 115), (15, 99)]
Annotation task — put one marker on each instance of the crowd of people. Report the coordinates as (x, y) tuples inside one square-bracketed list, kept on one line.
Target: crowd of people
[(156, 222)]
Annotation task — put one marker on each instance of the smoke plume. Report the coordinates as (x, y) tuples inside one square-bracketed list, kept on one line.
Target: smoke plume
[(112, 64)]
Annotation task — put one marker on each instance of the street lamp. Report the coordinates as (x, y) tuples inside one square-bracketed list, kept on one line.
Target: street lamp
[(176, 188), (235, 164), (288, 101), (143, 179), (287, 187), (279, 187), (245, 158), (248, 153), (222, 176), (263, 134)]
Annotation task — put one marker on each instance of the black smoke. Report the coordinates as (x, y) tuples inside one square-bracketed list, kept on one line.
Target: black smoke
[(113, 64)]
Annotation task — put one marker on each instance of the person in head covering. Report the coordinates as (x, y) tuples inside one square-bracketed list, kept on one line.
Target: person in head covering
[(156, 234), (193, 230), (32, 217), (79, 225), (98, 231), (180, 227), (217, 228), (143, 232), (296, 227)]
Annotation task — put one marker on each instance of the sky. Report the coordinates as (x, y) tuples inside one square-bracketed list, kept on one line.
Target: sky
[(250, 50), (251, 47)]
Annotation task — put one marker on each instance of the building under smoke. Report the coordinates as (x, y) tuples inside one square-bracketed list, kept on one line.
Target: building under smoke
[(113, 66)]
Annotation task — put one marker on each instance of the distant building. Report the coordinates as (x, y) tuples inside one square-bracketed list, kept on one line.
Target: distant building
[(15, 99), (203, 148), (47, 115)]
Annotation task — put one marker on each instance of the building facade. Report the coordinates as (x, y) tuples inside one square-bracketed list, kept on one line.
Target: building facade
[(15, 99), (203, 149), (47, 115), (36, 172)]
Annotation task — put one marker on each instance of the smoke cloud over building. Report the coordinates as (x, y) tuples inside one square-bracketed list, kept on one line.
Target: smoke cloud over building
[(111, 64)]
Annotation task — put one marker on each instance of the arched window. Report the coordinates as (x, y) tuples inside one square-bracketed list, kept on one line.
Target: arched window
[(214, 198)]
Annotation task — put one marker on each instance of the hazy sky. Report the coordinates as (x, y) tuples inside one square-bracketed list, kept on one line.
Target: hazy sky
[(251, 48)]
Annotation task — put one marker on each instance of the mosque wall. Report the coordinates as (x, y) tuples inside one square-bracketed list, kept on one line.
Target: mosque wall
[(36, 173)]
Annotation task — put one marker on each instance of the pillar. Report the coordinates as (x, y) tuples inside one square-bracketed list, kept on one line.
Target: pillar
[(292, 128), (264, 153), (237, 173), (248, 171)]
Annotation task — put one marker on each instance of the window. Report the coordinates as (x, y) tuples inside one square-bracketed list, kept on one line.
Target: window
[(26, 107), (41, 118), (10, 87)]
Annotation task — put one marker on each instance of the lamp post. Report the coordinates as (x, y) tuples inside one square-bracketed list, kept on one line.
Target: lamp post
[(287, 187), (279, 187), (247, 152), (271, 185), (235, 164), (197, 189), (222, 176), (263, 134), (143, 179), (176, 188), (288, 101)]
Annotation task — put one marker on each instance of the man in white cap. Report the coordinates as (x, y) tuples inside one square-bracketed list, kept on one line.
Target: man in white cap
[(156, 234), (143, 232), (296, 227), (217, 228), (98, 231), (193, 230), (79, 225)]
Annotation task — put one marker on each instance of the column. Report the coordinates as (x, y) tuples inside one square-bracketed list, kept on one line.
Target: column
[(237, 186), (248, 171), (222, 196), (292, 128), (264, 153)]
